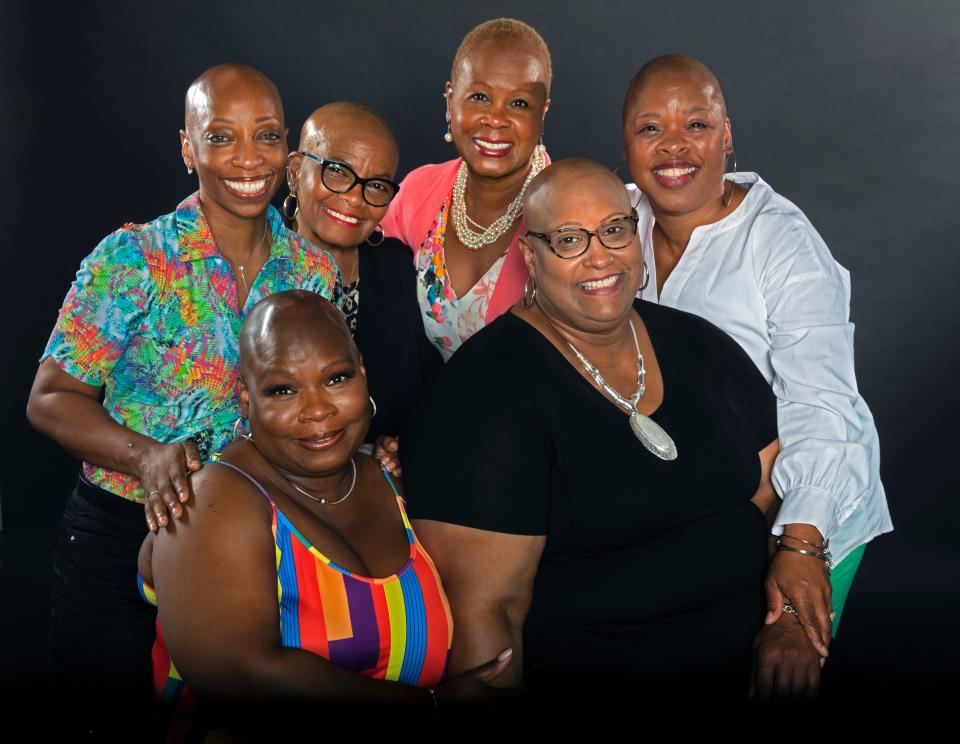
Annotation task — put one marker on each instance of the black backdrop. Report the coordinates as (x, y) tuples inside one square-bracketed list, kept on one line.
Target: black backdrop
[(849, 109)]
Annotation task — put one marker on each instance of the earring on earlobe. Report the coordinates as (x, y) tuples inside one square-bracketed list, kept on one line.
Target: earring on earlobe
[(733, 181), (448, 136), (290, 206), (189, 169)]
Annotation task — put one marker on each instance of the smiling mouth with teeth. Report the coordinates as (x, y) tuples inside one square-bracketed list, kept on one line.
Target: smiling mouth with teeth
[(601, 283), (674, 172), (247, 187), (487, 145), (341, 216)]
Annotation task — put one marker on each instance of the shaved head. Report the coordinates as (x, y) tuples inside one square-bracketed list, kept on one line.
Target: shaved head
[(674, 70), (330, 120), (576, 179), (504, 32), (296, 315), (226, 81)]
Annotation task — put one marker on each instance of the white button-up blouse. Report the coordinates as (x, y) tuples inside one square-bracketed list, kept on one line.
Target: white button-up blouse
[(766, 277)]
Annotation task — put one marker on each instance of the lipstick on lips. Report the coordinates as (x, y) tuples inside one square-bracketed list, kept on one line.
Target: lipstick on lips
[(604, 285), (342, 218), (250, 188), (492, 148), (675, 173), (321, 441)]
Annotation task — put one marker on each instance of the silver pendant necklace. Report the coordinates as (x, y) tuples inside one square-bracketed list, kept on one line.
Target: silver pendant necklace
[(649, 432), (242, 268), (319, 499)]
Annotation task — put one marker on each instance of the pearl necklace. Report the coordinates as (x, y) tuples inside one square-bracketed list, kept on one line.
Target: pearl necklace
[(476, 239), (319, 499), (649, 432)]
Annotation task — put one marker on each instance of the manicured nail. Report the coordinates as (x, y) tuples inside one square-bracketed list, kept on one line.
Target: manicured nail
[(506, 654)]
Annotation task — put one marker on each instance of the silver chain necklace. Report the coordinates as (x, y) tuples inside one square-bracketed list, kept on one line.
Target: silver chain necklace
[(649, 432), (319, 499)]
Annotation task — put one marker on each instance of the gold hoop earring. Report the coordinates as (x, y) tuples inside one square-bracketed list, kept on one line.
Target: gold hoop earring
[(290, 207)]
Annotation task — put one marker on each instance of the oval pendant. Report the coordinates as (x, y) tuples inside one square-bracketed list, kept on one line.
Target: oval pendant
[(653, 437)]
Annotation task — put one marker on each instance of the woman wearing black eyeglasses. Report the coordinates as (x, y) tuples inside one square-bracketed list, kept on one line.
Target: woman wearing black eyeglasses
[(341, 182)]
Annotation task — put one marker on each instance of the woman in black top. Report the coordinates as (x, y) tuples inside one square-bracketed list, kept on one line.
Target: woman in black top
[(591, 550), (341, 181)]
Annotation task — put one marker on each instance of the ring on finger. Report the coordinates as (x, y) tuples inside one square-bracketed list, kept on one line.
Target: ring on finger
[(833, 617), (152, 493), (789, 609)]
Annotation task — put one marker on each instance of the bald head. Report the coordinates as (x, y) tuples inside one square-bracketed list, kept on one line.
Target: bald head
[(504, 33), (226, 82), (294, 316), (565, 185), (674, 70), (331, 121)]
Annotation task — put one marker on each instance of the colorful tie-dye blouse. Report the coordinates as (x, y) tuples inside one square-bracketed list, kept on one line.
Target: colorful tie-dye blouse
[(449, 320), (153, 318)]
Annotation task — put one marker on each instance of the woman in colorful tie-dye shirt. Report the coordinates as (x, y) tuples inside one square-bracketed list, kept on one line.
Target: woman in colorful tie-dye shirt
[(152, 322)]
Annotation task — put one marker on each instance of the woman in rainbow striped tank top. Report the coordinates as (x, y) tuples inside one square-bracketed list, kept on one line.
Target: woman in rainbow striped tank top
[(293, 518)]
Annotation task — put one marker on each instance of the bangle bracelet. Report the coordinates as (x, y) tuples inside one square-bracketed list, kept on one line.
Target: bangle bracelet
[(823, 555), (825, 546)]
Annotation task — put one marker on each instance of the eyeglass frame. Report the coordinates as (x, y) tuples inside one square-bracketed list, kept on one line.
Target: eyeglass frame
[(545, 237), (322, 162)]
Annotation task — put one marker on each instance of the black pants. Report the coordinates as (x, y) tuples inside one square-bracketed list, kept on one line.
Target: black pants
[(101, 630)]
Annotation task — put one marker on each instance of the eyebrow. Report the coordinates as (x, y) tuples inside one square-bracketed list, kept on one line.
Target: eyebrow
[(656, 115), (576, 225), (223, 119), (383, 175)]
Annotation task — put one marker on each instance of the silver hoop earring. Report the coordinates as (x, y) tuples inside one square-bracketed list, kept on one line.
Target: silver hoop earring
[(290, 206), (529, 297), (238, 430), (376, 231), (448, 135), (373, 403), (733, 181), (646, 276)]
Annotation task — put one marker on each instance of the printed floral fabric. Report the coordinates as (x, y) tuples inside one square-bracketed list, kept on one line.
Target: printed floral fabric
[(449, 320), (153, 318)]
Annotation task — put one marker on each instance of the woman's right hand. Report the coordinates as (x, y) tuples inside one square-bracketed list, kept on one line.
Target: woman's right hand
[(164, 471)]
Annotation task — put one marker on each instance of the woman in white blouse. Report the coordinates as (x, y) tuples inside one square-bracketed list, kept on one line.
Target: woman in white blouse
[(735, 252)]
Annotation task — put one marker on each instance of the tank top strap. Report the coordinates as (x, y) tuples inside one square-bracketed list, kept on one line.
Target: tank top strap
[(401, 504), (254, 481)]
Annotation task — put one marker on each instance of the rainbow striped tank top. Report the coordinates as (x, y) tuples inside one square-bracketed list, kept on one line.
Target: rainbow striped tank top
[(397, 628)]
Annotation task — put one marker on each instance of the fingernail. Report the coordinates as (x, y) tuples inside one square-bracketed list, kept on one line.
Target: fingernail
[(506, 654)]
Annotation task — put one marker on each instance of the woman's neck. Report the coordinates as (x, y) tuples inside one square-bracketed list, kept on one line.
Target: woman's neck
[(603, 344), (675, 230), (487, 196), (348, 259), (237, 238)]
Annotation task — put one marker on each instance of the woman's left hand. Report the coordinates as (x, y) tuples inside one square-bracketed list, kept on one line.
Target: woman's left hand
[(387, 450), (804, 582), (785, 665)]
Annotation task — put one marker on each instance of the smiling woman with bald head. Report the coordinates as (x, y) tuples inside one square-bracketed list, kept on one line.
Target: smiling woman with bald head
[(732, 250), (341, 184), (617, 450), (152, 323)]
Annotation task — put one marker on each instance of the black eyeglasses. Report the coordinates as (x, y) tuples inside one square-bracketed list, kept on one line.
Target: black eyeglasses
[(570, 242), (340, 178)]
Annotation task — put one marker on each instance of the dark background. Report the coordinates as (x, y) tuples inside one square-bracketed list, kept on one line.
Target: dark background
[(849, 109)]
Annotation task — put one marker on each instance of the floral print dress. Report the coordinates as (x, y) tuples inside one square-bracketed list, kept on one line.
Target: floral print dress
[(449, 320)]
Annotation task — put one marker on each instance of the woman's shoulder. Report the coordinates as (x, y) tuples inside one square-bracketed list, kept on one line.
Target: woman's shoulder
[(679, 328)]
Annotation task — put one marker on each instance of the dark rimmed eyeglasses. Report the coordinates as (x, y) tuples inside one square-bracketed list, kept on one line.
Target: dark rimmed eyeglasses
[(340, 178), (570, 242)]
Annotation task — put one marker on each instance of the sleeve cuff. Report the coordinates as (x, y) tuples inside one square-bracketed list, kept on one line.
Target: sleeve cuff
[(808, 505)]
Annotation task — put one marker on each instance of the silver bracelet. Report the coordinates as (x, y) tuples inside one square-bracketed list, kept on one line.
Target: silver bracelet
[(823, 555), (825, 546)]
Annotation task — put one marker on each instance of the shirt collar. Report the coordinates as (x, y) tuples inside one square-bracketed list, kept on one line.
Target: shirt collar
[(195, 238)]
